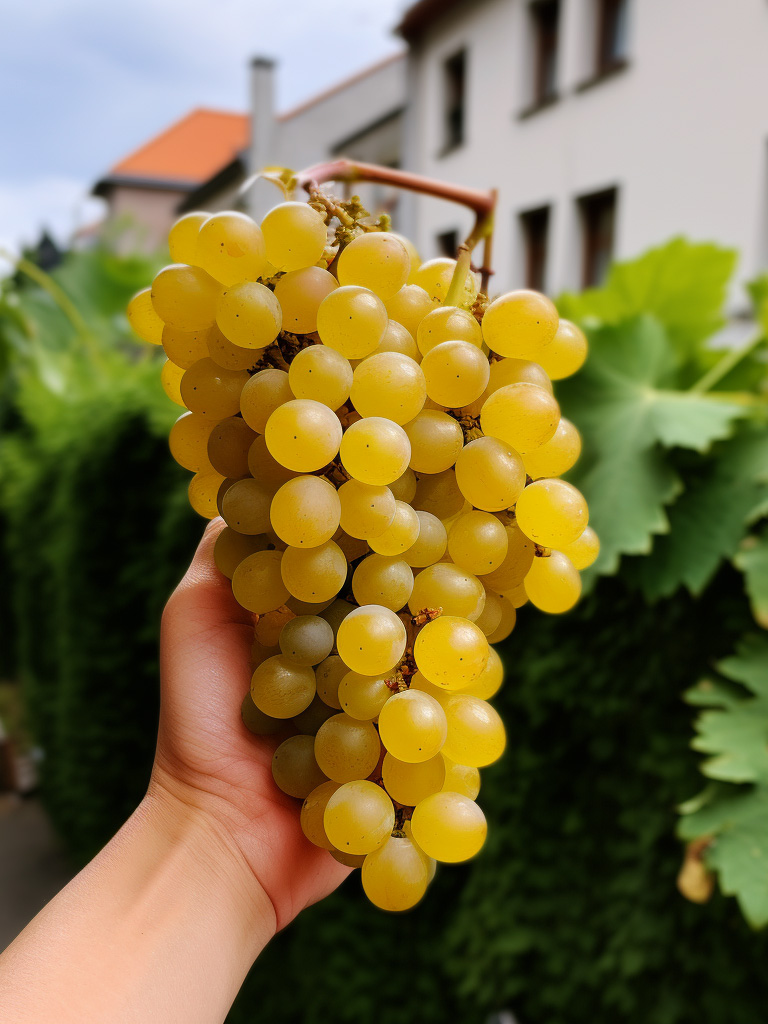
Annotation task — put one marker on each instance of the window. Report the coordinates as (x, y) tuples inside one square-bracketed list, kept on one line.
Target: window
[(545, 15), (448, 243), (535, 227), (598, 216), (454, 86), (611, 35)]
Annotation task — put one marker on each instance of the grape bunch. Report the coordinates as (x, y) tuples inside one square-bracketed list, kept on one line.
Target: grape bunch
[(385, 448)]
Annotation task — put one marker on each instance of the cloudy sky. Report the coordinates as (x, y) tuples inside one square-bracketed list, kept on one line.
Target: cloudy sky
[(84, 82)]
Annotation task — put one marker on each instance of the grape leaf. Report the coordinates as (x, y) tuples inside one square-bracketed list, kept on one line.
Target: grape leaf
[(753, 562)]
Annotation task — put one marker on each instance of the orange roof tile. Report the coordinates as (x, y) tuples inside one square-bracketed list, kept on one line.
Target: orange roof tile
[(192, 150)]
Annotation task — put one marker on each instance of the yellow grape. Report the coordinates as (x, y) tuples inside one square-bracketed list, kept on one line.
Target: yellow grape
[(249, 315), (188, 441), (375, 451), (143, 318), (347, 859), (410, 782), (363, 697), (202, 491), (346, 749), (420, 682), (409, 306), (552, 513), (435, 276), (305, 511), (461, 778), (553, 584), (228, 445), (383, 579), (412, 726), (377, 260), (352, 320), (210, 390), (263, 467), (262, 394), (516, 596), (488, 683), (520, 324), (449, 827), (566, 353), (451, 652), (231, 548), (279, 687), (388, 384), (404, 488), (268, 628), (400, 535), (584, 550), (336, 612), (170, 380), (436, 440), (321, 373), (310, 720), (182, 238), (258, 585), (449, 587), (448, 323), (456, 373), (329, 675), (256, 721), (185, 297), (185, 347), (300, 293), (478, 542), (294, 235), (398, 339), (413, 254), (490, 617), (430, 544), (396, 875), (439, 494), (371, 640), (508, 619), (245, 506), (314, 574), (230, 246), (557, 455), (515, 566), (303, 435), (313, 812), (294, 767), (476, 735), (510, 371), (359, 816), (367, 510), (259, 654), (231, 357), (523, 415)]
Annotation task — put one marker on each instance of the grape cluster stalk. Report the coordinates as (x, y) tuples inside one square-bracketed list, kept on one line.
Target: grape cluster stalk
[(385, 448)]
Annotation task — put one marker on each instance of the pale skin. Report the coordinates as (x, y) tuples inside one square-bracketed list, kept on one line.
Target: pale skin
[(165, 922)]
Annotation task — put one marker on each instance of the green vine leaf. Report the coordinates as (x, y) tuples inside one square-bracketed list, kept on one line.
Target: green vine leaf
[(752, 560)]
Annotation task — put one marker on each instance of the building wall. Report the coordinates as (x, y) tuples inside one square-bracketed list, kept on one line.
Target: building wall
[(142, 217), (681, 131)]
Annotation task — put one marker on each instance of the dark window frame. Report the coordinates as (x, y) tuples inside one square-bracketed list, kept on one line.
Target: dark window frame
[(609, 56), (545, 17), (597, 212), (448, 242), (534, 225), (454, 82)]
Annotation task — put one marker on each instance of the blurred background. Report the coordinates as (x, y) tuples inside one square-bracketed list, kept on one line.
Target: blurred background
[(626, 872)]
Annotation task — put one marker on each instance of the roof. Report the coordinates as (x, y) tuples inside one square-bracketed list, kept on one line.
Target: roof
[(183, 156), (345, 83), (421, 15)]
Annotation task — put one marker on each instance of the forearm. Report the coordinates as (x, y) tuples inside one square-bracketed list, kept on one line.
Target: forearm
[(162, 925)]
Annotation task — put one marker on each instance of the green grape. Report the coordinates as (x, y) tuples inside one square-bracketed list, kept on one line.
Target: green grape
[(515, 566), (336, 612), (300, 293), (377, 260), (363, 697), (476, 734), (404, 488), (346, 750), (366, 509), (371, 640), (279, 687), (170, 379), (448, 323), (552, 513), (461, 778), (231, 357), (305, 511), (558, 455), (256, 721), (322, 374), (449, 827), (439, 494), (352, 321), (584, 550), (490, 617), (295, 236), (264, 392), (400, 535), (328, 676), (388, 384), (306, 639), (303, 435), (185, 297), (294, 767), (249, 315), (488, 683), (264, 468), (409, 306), (553, 584), (313, 812), (228, 445), (375, 451), (430, 544), (410, 782), (412, 726), (245, 506), (314, 574), (449, 587), (510, 371), (231, 548), (212, 391), (478, 542), (230, 246), (398, 339), (185, 347), (258, 585), (182, 238), (359, 816), (451, 651), (395, 877), (383, 579), (456, 373), (523, 415), (436, 440), (435, 277), (566, 353), (310, 720), (143, 318), (202, 491), (520, 324)]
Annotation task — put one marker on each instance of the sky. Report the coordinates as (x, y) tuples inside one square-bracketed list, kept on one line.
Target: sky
[(85, 82)]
